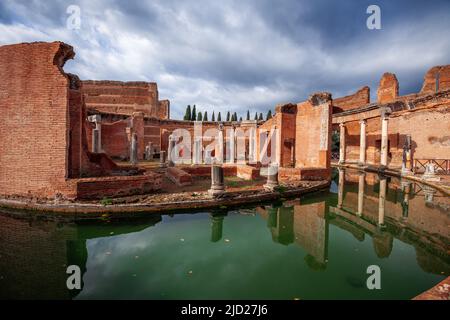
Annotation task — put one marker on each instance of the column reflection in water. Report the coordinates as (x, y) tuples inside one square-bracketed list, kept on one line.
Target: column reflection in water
[(216, 226), (341, 188), (406, 190), (361, 185), (382, 201)]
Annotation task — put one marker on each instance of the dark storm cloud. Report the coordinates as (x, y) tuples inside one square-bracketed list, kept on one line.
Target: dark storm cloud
[(241, 54)]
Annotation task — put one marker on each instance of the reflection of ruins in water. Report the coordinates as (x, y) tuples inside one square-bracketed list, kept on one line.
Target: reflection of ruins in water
[(34, 254), (367, 204)]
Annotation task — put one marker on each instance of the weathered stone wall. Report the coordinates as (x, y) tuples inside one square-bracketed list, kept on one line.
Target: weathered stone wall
[(313, 132), (118, 97), (428, 124), (436, 79), (358, 99), (44, 145), (388, 88), (34, 131)]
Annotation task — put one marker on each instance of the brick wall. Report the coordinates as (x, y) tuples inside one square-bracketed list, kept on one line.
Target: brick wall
[(34, 131), (358, 99), (118, 97), (436, 79), (388, 88), (313, 132)]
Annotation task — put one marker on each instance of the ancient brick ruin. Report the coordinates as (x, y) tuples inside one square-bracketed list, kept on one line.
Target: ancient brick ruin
[(63, 137), (398, 131)]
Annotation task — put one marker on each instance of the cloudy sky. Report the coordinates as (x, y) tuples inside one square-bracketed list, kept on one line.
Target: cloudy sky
[(239, 55)]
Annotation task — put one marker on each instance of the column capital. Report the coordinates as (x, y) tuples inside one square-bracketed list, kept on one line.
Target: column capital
[(342, 125), (363, 121)]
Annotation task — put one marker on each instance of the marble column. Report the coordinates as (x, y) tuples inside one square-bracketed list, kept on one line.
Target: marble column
[(217, 181), (406, 156), (219, 150), (96, 133), (197, 151), (362, 142), (252, 145), (361, 184), (384, 141), (232, 146), (272, 178), (134, 149), (341, 143), (170, 151), (341, 188), (382, 200)]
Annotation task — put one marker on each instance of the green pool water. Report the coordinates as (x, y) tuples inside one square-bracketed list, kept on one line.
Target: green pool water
[(315, 247)]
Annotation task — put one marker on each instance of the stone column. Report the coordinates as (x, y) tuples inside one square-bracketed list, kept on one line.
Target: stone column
[(361, 184), (362, 142), (162, 159), (382, 200), (96, 133), (232, 146), (149, 151), (272, 178), (341, 143), (170, 151), (219, 152), (217, 181), (341, 188), (406, 156), (384, 140), (197, 152), (134, 149), (252, 145)]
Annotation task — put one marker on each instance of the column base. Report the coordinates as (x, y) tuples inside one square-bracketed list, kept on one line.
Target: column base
[(361, 164), (216, 191)]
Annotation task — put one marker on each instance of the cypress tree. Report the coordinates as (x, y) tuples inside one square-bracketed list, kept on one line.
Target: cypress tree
[(205, 116), (199, 116), (194, 114), (213, 118), (240, 119), (256, 115), (248, 114), (260, 116), (228, 116), (219, 117), (235, 117), (269, 115), (187, 115)]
